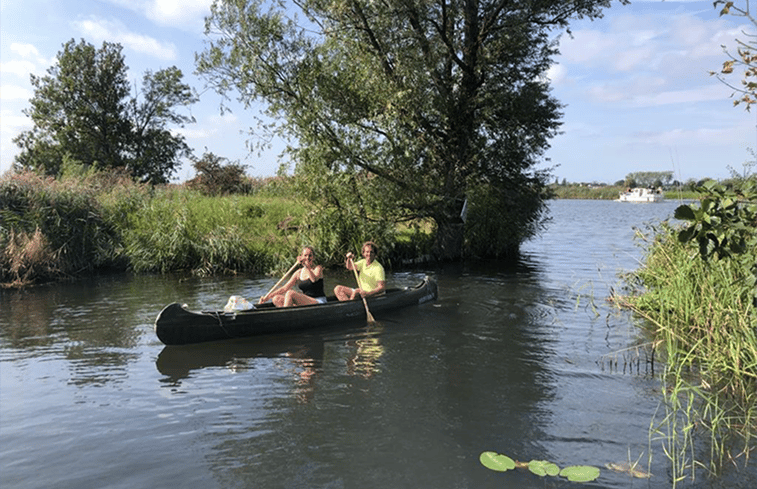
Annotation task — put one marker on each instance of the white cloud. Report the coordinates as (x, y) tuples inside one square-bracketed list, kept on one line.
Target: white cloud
[(556, 74), (112, 31), (707, 93), (187, 15), (14, 92), (27, 61), (21, 68), (25, 50)]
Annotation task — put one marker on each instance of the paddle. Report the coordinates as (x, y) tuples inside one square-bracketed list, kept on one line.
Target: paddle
[(368, 314), (279, 282)]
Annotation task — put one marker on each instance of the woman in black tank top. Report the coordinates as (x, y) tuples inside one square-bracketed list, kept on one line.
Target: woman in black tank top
[(309, 279)]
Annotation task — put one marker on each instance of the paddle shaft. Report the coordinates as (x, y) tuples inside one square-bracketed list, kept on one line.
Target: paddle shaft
[(282, 279), (368, 314)]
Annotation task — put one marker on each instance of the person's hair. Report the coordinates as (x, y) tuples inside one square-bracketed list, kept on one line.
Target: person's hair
[(312, 250), (372, 245)]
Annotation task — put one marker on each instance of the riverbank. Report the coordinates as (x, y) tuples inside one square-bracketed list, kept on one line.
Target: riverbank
[(54, 229), (610, 192)]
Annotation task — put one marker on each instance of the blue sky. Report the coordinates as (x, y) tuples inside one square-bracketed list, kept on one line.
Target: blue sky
[(636, 83)]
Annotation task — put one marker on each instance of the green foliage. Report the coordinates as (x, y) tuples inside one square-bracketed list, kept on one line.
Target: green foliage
[(409, 106), (215, 178), (496, 461), (500, 218), (50, 229), (82, 112), (696, 290), (503, 463), (649, 179), (87, 222), (78, 110), (155, 151), (580, 473), (543, 468), (723, 226), (186, 231)]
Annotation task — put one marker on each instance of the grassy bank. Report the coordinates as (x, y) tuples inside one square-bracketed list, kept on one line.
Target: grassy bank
[(696, 294), (52, 229)]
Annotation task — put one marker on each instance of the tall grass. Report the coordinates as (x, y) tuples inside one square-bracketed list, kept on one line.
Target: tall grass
[(51, 229), (183, 230), (88, 222), (704, 323)]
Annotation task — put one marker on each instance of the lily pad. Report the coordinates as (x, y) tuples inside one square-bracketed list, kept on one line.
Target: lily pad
[(542, 468), (580, 473), (496, 461)]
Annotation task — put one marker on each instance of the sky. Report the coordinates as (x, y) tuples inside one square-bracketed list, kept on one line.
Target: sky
[(636, 84)]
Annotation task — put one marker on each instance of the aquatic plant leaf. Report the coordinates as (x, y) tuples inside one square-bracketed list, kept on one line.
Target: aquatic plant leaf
[(580, 473), (633, 470), (542, 468), (495, 461)]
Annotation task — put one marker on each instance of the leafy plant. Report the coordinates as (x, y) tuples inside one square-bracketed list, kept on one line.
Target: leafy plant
[(503, 463), (723, 226)]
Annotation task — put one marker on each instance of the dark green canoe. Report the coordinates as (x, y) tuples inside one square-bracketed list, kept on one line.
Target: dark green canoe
[(177, 325)]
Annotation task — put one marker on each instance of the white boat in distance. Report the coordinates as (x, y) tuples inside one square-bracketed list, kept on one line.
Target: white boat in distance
[(642, 195)]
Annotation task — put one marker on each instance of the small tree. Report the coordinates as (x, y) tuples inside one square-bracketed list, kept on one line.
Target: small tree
[(215, 178), (156, 151), (78, 111)]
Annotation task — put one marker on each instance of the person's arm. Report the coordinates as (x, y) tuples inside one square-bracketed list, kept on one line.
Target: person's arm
[(380, 286), (290, 283), (314, 273)]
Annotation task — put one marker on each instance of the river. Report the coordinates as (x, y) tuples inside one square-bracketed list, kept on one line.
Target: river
[(525, 360)]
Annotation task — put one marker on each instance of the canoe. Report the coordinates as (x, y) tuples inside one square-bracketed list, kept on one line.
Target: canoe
[(178, 325)]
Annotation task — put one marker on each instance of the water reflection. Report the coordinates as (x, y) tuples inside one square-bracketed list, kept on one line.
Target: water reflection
[(178, 362)]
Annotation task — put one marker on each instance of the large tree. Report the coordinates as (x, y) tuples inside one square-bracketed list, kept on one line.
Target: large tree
[(403, 109), (83, 112)]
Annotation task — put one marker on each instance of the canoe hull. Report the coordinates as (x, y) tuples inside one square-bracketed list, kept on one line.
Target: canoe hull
[(177, 325)]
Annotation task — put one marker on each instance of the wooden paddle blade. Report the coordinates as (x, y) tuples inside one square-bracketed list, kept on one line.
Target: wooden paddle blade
[(368, 314)]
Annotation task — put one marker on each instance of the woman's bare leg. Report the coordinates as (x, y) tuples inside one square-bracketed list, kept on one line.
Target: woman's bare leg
[(294, 298)]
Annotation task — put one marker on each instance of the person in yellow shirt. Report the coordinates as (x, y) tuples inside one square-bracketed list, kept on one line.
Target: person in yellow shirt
[(371, 278)]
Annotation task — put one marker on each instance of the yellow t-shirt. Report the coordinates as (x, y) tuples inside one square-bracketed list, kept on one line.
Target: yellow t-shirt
[(369, 276)]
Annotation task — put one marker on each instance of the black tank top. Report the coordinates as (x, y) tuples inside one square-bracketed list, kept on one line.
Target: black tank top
[(311, 289)]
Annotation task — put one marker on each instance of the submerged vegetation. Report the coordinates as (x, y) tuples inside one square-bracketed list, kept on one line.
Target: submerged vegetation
[(696, 292)]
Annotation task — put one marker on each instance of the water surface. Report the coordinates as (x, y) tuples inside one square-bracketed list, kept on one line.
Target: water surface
[(525, 360)]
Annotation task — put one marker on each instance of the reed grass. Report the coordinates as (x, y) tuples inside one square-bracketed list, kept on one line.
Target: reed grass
[(703, 319), (88, 222), (51, 229), (183, 230)]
